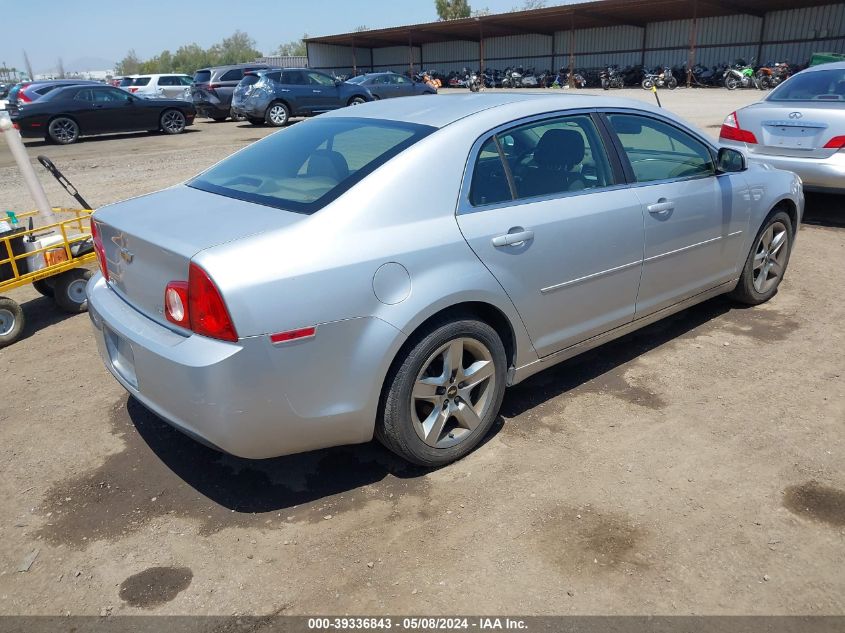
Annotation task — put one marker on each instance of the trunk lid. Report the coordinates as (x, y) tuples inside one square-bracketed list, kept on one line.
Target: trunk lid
[(799, 128), (149, 241)]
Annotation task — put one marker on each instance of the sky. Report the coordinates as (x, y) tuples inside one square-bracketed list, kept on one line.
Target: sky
[(103, 31)]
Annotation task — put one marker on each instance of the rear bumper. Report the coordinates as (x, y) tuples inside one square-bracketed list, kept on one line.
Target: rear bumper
[(252, 399), (817, 174), (253, 108)]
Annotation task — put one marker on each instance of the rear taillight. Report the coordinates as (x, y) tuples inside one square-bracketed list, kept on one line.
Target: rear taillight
[(197, 305), (733, 132), (23, 97), (837, 142), (133, 90), (98, 248)]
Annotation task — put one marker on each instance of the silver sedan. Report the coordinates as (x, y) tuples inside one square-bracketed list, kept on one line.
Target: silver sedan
[(299, 295), (799, 126)]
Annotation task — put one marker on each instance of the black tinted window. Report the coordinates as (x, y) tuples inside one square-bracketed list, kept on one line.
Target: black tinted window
[(277, 76), (236, 74), (489, 180), (306, 166), (43, 91), (293, 77), (168, 81), (126, 81), (248, 80), (140, 81), (84, 95), (201, 77)]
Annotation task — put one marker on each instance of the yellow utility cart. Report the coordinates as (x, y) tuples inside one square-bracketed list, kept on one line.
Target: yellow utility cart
[(52, 258)]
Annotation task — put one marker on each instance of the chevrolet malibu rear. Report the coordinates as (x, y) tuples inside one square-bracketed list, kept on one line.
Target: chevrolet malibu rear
[(798, 127)]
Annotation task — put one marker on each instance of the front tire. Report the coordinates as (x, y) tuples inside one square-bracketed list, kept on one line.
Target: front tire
[(63, 131), (277, 114), (69, 290), (605, 84), (731, 83), (443, 395), (672, 83), (647, 84), (172, 122), (766, 264), (356, 101)]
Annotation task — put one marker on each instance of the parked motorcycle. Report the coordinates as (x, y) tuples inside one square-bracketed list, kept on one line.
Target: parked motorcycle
[(512, 78), (662, 79), (741, 75), (773, 74), (611, 78)]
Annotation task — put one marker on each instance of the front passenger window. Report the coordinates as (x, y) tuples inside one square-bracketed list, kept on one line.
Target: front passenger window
[(659, 151)]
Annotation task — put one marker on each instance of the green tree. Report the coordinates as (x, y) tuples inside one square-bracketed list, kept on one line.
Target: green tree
[(452, 9), (190, 57), (294, 48), (235, 49), (129, 65)]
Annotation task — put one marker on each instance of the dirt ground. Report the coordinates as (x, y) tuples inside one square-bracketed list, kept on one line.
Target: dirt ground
[(694, 467)]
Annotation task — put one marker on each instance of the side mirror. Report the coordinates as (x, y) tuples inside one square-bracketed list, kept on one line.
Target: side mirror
[(730, 161)]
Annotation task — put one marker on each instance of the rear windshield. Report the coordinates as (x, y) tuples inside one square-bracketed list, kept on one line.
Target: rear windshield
[(819, 85), (202, 77), (248, 80), (358, 80), (126, 81), (306, 166)]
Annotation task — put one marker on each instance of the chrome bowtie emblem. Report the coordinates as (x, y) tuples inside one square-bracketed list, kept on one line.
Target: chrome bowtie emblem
[(795, 115)]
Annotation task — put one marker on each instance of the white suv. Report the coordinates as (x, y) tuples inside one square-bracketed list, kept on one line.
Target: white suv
[(159, 86)]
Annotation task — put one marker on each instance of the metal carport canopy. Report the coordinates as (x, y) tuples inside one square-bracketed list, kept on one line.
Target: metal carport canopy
[(561, 18)]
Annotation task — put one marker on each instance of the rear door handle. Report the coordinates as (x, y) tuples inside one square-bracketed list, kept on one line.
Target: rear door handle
[(661, 207), (513, 239)]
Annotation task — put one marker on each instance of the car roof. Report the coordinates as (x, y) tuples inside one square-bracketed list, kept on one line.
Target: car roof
[(448, 109), (255, 65), (160, 75), (69, 82)]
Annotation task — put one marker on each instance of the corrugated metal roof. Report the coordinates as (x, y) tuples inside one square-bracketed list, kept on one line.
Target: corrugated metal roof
[(597, 13)]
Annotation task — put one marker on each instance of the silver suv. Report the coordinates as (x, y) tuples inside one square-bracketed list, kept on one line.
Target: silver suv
[(213, 88)]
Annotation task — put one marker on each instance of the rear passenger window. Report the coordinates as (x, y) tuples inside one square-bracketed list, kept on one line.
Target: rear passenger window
[(659, 151), (236, 74), (168, 81), (552, 156), (84, 95), (293, 77), (489, 180)]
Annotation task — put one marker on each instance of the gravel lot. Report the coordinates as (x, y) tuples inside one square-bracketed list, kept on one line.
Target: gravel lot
[(694, 467)]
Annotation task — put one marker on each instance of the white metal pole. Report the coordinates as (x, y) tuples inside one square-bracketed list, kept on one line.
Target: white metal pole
[(16, 146)]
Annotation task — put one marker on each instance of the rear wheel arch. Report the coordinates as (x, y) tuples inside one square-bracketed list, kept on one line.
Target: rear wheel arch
[(477, 310)]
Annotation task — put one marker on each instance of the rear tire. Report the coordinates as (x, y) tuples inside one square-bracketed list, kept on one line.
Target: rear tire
[(45, 287), (277, 114), (63, 131), (766, 264), (672, 83), (11, 321), (172, 122), (435, 407), (69, 291), (731, 83), (647, 84), (356, 101)]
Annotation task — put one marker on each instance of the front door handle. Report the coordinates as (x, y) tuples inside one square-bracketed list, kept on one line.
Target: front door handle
[(317, 91), (661, 207), (513, 239)]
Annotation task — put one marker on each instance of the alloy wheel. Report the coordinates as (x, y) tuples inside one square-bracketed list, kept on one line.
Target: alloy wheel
[(453, 392), (770, 257), (278, 114), (63, 130), (173, 121)]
